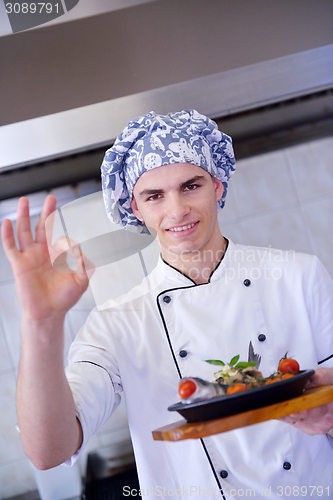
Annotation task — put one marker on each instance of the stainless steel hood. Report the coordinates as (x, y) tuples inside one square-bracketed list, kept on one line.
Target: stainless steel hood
[(252, 90), (224, 94)]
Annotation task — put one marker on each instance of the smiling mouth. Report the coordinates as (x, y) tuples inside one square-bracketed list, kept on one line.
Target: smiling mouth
[(181, 228)]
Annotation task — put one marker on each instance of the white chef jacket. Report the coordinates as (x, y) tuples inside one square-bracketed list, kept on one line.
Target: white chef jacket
[(166, 328)]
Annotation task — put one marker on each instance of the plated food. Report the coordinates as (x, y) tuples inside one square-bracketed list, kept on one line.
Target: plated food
[(245, 401), (239, 386), (234, 377)]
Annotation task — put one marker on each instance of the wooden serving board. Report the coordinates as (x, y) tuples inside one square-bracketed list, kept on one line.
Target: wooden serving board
[(193, 430)]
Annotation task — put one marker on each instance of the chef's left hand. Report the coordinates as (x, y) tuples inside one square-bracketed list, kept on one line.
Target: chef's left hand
[(318, 420)]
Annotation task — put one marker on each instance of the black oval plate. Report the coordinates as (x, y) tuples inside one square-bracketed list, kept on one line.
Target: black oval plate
[(223, 406)]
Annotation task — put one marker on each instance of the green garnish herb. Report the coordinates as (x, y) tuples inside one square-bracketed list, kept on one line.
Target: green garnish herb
[(215, 362), (233, 363)]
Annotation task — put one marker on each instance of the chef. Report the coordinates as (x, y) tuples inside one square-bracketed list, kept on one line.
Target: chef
[(207, 298)]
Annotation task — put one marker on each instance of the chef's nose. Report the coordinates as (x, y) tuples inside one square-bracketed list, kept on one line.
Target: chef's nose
[(177, 207)]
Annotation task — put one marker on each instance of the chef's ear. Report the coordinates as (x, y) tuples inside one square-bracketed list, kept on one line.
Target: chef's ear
[(218, 188), (135, 209)]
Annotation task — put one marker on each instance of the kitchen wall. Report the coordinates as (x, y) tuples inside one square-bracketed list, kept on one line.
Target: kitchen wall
[(156, 44), (283, 199)]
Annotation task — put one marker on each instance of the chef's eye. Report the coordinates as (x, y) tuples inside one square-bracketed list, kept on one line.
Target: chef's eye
[(153, 197), (191, 187)]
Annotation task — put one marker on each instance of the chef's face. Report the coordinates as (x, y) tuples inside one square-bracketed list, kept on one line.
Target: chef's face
[(179, 201)]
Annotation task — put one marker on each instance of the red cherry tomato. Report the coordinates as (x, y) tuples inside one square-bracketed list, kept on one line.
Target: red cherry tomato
[(288, 365), (186, 388), (237, 388)]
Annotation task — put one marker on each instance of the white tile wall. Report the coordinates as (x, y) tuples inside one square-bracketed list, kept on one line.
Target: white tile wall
[(282, 199), (267, 229), (11, 316), (263, 183), (319, 217), (10, 444), (311, 167), (5, 363)]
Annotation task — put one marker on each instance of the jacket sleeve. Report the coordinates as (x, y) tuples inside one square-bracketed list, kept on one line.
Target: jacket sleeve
[(93, 377), (320, 305)]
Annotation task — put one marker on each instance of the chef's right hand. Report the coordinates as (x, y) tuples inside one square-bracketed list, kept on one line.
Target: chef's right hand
[(43, 292)]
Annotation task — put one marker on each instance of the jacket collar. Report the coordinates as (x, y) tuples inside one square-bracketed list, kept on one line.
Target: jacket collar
[(170, 273)]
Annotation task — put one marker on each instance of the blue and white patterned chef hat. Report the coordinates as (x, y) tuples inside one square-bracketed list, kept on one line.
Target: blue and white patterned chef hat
[(153, 140)]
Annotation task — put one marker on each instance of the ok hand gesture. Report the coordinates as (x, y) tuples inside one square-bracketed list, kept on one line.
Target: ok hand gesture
[(43, 292)]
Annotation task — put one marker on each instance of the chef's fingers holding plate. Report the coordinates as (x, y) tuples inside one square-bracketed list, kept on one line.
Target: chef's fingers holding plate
[(322, 376), (317, 420)]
